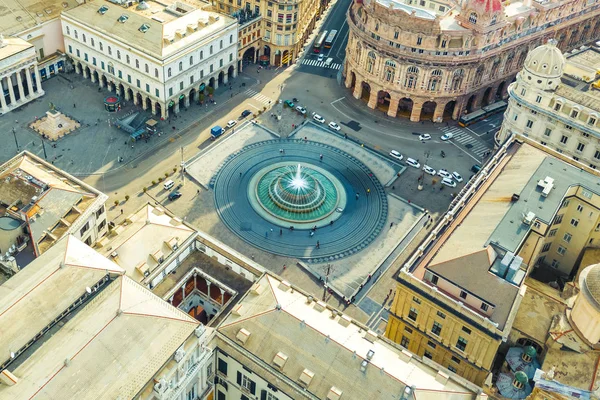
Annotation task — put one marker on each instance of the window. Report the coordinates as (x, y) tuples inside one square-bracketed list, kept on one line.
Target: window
[(596, 154), (441, 315), (444, 43), (431, 344), (84, 39), (101, 225), (436, 329), (127, 58), (466, 330), (561, 250), (552, 233), (68, 31), (574, 114), (529, 123), (76, 36), (396, 34), (451, 369), (84, 229), (404, 342), (128, 78), (201, 54), (109, 51), (102, 64), (428, 355), (180, 85), (419, 40), (120, 74), (557, 107), (270, 396), (569, 127), (567, 237), (522, 92), (461, 343), (191, 394), (580, 146), (71, 51), (180, 66), (546, 247), (455, 360), (157, 92), (78, 53), (211, 49), (579, 208), (170, 91), (463, 294), (169, 72), (574, 222), (434, 279), (408, 330), (592, 121), (484, 306), (147, 88), (473, 18), (222, 367), (555, 264), (538, 99), (564, 139), (586, 194), (137, 63), (156, 72), (413, 313), (191, 80), (246, 382), (138, 83), (558, 219), (147, 68), (416, 300)]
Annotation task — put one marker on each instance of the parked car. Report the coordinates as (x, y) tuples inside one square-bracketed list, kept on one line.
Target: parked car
[(318, 118), (301, 110), (424, 136), (448, 182), (413, 163), (334, 126), (447, 136), (476, 168), (429, 170), (245, 113), (396, 154), (457, 177), (174, 195), (289, 103), (231, 124), (444, 174)]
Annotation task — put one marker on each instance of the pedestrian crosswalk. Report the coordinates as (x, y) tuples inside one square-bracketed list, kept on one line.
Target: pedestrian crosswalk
[(316, 63), (463, 137), (259, 97)]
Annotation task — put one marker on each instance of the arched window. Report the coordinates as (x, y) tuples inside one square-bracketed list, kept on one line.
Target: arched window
[(412, 75), (201, 54), (371, 57), (119, 54), (92, 41), (146, 68), (180, 65), (83, 37), (435, 80), (68, 31), (75, 31), (457, 79), (230, 39), (191, 60), (494, 70), (479, 75), (101, 46), (128, 59), (473, 18), (156, 72), (221, 44), (137, 63), (211, 49), (169, 72), (109, 50), (390, 70)]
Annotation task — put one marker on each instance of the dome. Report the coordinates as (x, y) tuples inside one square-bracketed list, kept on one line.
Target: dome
[(142, 6), (545, 61), (592, 282)]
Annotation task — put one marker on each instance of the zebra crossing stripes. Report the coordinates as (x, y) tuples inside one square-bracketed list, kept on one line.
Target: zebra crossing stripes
[(321, 64), (258, 97), (464, 138)]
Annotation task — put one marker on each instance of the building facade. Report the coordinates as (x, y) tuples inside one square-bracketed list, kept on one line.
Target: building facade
[(19, 76), (160, 56), (434, 60), (283, 28), (554, 102)]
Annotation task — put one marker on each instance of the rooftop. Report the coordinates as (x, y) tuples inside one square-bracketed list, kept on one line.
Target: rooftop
[(12, 46), (88, 356), (158, 29), (582, 69), (20, 15), (49, 199), (281, 319), (419, 11), (142, 239)]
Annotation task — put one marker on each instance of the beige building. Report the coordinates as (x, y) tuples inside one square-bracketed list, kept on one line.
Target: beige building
[(435, 60), (40, 204), (555, 103), (159, 55), (283, 27), (458, 295), (279, 343)]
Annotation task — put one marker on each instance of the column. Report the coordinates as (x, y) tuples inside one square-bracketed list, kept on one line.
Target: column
[(5, 108), (415, 115), (182, 293), (29, 81), (93, 77), (222, 296), (234, 73), (38, 80), (85, 73), (458, 109), (176, 107), (127, 96), (144, 104), (438, 114), (208, 288), (100, 82), (225, 79), (372, 99), (393, 110), (164, 111), (186, 101), (135, 99), (11, 91), (217, 82), (357, 90), (153, 110), (20, 85)]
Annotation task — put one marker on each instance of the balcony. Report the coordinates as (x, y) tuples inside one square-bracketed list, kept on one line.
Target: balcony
[(245, 16)]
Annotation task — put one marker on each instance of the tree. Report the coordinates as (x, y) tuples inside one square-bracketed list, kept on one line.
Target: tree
[(166, 174), (145, 189), (174, 169), (116, 203), (211, 91), (201, 98), (126, 197)]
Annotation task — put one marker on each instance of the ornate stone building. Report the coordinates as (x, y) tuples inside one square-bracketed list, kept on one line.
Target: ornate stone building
[(435, 60)]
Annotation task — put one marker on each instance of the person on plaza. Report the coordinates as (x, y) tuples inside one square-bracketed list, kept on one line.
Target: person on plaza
[(318, 244), (321, 157)]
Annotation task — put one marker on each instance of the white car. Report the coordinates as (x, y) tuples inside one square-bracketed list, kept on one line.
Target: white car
[(301, 110), (318, 118), (457, 176), (429, 170), (448, 182), (321, 57), (231, 124), (444, 174), (334, 126), (447, 136), (413, 163), (424, 136), (396, 154)]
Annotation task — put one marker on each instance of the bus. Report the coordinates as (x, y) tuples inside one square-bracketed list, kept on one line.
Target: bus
[(330, 38), (319, 42), (485, 112)]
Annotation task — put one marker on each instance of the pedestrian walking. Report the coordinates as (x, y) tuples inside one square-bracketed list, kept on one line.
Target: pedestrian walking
[(271, 230), (321, 157), (121, 211), (280, 232), (266, 234), (345, 136), (240, 174), (356, 196), (318, 244), (331, 222), (391, 224), (74, 105)]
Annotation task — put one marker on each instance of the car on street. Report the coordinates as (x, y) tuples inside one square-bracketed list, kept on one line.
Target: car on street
[(413, 163), (448, 182), (429, 170), (174, 195), (334, 126), (444, 174), (245, 113), (396, 154), (318, 118), (424, 136), (321, 57), (457, 177), (301, 110), (447, 136), (289, 103), (231, 124)]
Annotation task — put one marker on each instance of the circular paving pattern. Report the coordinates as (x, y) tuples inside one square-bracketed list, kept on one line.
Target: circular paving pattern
[(261, 193)]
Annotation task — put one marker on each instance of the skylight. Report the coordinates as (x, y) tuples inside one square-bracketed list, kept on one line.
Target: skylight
[(102, 10), (123, 18), (144, 28)]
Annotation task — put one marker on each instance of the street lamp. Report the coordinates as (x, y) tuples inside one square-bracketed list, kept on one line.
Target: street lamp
[(422, 177)]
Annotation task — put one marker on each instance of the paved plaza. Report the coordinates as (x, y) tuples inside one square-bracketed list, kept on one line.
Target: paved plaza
[(349, 249)]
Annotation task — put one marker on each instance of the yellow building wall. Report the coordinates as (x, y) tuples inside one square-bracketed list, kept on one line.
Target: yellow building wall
[(474, 363)]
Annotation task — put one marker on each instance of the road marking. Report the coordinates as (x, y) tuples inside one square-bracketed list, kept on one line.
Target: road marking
[(464, 151), (338, 52), (320, 64), (340, 99), (337, 36), (258, 97)]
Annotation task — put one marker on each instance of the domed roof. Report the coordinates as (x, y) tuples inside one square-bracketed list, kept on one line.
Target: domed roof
[(546, 60), (489, 5), (592, 282), (142, 6)]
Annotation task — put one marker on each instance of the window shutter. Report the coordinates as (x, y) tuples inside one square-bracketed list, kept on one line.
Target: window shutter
[(252, 387), (239, 378), (263, 395)]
